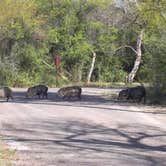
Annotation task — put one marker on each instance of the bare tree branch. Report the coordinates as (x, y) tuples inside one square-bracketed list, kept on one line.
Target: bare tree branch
[(48, 65), (126, 46)]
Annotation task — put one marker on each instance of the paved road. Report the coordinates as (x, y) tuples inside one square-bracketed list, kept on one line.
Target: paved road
[(95, 131)]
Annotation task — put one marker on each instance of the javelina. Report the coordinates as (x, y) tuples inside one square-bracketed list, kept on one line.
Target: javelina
[(137, 93), (37, 91), (6, 92), (123, 94), (73, 91)]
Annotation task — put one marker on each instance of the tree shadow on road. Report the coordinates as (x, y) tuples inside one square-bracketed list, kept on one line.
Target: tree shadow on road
[(77, 136)]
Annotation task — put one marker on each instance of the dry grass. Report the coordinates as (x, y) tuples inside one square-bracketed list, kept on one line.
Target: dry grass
[(6, 155)]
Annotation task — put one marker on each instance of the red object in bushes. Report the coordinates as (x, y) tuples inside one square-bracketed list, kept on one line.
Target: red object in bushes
[(57, 60)]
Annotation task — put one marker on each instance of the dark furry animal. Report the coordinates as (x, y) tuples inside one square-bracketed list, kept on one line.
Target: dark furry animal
[(6, 92), (38, 90), (137, 94), (123, 94), (68, 92)]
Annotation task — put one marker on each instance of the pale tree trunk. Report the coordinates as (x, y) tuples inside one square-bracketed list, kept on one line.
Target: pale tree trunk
[(80, 72), (137, 62), (91, 68)]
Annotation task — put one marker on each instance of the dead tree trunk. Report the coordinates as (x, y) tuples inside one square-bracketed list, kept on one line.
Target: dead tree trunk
[(91, 68), (80, 72), (137, 62)]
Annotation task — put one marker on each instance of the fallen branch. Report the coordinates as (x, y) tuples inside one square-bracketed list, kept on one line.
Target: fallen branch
[(51, 67)]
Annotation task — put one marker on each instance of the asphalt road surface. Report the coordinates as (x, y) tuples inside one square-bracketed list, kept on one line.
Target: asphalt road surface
[(96, 131)]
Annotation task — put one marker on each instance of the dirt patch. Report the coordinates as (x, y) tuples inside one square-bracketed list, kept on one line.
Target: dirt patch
[(6, 155)]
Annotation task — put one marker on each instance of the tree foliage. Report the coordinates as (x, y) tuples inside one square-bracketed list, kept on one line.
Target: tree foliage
[(32, 32)]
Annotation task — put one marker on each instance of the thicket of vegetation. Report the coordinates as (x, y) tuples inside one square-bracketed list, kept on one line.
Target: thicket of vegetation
[(98, 40)]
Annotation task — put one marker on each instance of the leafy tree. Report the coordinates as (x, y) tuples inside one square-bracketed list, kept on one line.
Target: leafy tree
[(18, 22), (97, 41)]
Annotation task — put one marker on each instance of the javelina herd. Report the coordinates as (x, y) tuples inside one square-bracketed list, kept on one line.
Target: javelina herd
[(68, 92), (42, 92), (135, 93)]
